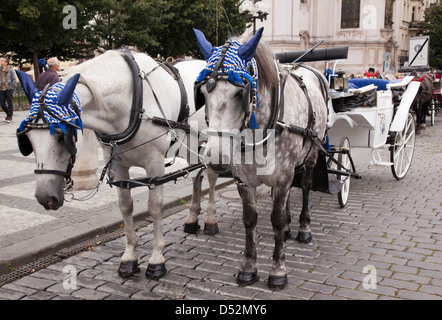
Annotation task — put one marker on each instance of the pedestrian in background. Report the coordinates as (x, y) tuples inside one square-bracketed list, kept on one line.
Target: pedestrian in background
[(7, 86), (50, 76)]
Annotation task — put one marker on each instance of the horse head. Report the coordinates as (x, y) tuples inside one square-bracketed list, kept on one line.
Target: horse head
[(228, 88), (54, 140)]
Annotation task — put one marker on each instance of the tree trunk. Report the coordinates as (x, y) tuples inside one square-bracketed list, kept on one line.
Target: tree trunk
[(36, 66)]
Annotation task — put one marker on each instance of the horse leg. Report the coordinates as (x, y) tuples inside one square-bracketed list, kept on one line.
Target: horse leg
[(287, 231), (191, 223), (156, 268), (248, 273), (278, 274), (304, 232), (418, 118), (424, 115), (129, 262), (211, 224)]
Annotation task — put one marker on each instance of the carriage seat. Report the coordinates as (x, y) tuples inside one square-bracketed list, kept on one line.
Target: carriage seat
[(360, 83)]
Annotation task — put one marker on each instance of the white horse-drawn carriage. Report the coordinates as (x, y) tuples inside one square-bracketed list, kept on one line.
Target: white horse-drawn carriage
[(387, 124), (363, 113)]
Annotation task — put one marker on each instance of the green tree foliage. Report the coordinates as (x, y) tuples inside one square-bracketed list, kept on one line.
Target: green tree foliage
[(432, 26), (33, 29)]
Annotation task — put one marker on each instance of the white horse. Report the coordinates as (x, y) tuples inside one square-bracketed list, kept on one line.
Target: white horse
[(105, 90)]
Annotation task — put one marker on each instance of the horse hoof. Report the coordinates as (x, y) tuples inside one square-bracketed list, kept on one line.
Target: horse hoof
[(277, 282), (211, 229), (304, 237), (128, 269), (287, 235), (247, 278), (156, 271), (191, 228)]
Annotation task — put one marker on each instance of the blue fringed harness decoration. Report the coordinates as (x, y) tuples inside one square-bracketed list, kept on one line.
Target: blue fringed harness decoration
[(45, 106), (226, 63)]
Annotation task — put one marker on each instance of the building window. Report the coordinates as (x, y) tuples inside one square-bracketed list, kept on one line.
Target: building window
[(350, 14)]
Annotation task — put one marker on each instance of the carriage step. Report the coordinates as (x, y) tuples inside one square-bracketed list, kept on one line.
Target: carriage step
[(381, 163)]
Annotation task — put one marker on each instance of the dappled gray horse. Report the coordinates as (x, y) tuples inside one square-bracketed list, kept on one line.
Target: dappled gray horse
[(104, 93), (240, 86)]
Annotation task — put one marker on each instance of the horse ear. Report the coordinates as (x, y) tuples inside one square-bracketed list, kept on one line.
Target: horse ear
[(205, 46), (247, 51), (65, 96), (28, 85)]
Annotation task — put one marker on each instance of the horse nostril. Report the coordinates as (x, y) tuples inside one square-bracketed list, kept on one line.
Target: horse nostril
[(53, 203)]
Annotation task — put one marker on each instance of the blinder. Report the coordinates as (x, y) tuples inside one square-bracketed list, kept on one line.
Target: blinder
[(24, 145), (199, 98), (247, 99), (70, 139)]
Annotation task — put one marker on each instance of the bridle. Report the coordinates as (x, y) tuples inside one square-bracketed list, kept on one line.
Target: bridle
[(69, 136)]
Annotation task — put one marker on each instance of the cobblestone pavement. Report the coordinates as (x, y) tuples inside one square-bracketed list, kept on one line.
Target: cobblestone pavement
[(387, 244)]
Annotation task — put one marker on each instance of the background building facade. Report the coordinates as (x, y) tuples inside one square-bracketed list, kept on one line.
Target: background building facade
[(377, 32)]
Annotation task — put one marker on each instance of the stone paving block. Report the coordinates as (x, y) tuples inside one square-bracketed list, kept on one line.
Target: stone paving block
[(170, 291), (209, 267), (88, 294), (340, 282), (35, 283), (175, 279), (237, 292), (411, 278), (355, 294), (6, 294), (145, 295), (399, 284), (21, 289), (44, 295), (317, 287), (323, 297), (204, 285), (117, 290), (415, 295)]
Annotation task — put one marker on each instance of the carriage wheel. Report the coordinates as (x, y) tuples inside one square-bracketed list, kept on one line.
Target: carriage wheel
[(401, 152), (344, 162)]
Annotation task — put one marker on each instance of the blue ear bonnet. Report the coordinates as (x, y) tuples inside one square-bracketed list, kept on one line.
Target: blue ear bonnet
[(66, 112), (234, 66)]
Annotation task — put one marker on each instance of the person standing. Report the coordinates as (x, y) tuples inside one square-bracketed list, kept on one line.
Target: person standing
[(8, 84), (49, 76)]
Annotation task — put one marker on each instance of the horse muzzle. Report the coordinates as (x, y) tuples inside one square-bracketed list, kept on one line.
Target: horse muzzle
[(50, 193), (53, 203)]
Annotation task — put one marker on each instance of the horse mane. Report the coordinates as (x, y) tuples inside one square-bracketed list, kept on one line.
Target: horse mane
[(265, 59)]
